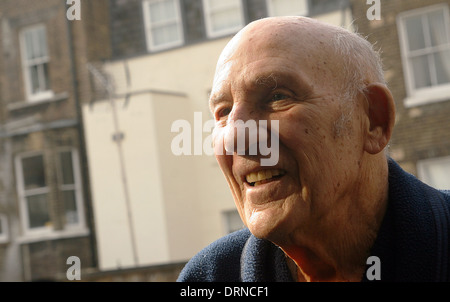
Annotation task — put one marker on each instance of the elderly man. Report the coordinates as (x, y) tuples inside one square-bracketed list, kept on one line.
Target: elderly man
[(334, 198)]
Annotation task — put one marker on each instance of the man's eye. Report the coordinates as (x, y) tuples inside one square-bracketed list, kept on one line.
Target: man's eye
[(278, 97), (222, 113)]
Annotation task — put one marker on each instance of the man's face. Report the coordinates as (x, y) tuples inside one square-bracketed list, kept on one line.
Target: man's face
[(272, 75)]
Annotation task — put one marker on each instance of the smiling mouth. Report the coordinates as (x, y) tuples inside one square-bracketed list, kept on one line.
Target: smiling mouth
[(258, 178)]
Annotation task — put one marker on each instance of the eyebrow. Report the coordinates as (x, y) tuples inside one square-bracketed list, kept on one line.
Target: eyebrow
[(214, 100), (270, 80), (273, 79), (290, 78)]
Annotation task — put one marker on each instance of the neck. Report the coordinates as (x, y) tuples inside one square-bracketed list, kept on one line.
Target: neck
[(338, 249)]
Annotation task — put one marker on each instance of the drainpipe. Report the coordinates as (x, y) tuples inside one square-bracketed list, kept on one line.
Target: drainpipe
[(82, 141)]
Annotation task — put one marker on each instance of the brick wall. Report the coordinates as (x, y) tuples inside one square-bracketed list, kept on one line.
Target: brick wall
[(46, 126), (48, 259), (127, 27), (421, 131), (17, 16)]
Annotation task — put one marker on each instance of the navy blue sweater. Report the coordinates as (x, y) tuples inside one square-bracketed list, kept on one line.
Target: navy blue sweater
[(413, 243)]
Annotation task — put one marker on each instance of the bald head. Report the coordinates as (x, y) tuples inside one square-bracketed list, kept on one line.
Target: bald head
[(348, 59)]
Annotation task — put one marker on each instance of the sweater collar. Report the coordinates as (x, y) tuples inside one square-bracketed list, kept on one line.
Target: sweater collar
[(406, 242)]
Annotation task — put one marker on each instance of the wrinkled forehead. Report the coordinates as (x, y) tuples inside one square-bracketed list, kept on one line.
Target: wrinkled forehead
[(300, 42), (276, 36)]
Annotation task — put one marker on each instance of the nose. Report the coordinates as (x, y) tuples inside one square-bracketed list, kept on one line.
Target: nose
[(241, 131)]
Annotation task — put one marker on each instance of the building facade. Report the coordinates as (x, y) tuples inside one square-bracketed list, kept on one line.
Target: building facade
[(45, 213), (414, 40)]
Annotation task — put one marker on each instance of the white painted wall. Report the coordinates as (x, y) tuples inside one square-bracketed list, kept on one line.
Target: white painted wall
[(194, 190), (143, 179)]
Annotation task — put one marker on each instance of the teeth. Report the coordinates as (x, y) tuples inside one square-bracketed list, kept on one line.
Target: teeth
[(257, 177)]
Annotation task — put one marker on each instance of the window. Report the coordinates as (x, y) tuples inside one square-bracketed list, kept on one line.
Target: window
[(287, 7), (425, 45), (33, 192), (435, 172), (163, 24), (233, 221), (4, 235), (70, 190), (223, 17), (35, 61)]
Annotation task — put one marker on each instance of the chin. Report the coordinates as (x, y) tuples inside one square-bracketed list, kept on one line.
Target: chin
[(266, 225)]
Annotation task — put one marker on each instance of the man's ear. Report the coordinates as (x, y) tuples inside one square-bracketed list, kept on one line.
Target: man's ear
[(381, 116)]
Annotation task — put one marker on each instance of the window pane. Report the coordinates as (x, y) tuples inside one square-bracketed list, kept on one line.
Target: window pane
[(34, 74), (414, 29), (288, 7), (438, 31), (38, 215), (33, 172), (421, 71), (66, 168), (40, 42), (29, 44), (39, 78), (215, 4), (442, 63), (166, 34), (436, 173), (225, 19), (45, 81), (70, 207), (36, 43), (162, 11)]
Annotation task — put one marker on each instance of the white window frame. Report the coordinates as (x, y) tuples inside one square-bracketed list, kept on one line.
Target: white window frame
[(270, 9), (424, 95), (4, 234), (76, 187), (151, 46), (41, 95), (22, 194), (47, 232), (225, 5), (423, 169)]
